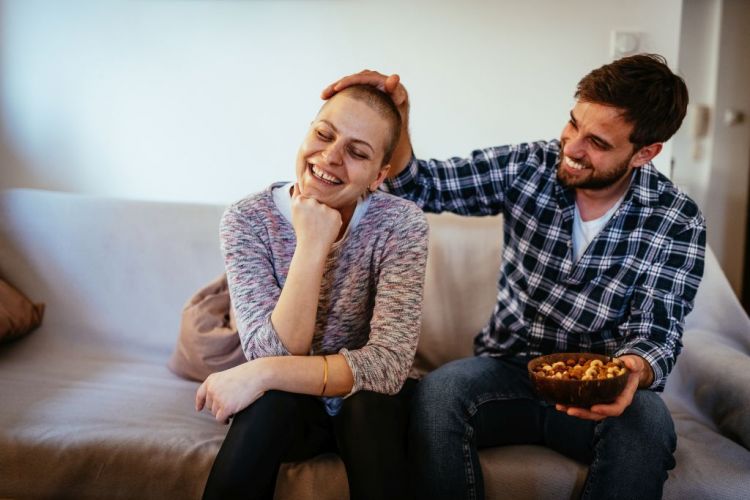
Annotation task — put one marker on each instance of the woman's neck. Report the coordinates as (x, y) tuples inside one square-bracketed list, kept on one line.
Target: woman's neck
[(346, 217)]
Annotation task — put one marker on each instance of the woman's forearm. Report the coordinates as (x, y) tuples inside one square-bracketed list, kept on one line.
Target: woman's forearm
[(307, 374), (293, 318)]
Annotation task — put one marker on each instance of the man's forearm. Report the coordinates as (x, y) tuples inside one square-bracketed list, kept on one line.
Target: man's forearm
[(403, 153)]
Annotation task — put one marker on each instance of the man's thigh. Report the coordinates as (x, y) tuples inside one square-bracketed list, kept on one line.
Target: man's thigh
[(497, 399)]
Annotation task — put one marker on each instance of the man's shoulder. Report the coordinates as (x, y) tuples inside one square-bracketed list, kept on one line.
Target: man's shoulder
[(677, 205), (543, 153)]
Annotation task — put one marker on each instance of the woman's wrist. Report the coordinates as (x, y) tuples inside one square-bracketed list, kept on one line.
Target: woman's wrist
[(262, 370), (312, 251)]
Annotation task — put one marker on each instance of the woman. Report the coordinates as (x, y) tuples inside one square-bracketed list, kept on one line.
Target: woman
[(326, 279)]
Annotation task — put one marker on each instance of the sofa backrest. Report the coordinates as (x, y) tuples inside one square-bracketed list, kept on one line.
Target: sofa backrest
[(122, 270), (112, 270), (460, 286)]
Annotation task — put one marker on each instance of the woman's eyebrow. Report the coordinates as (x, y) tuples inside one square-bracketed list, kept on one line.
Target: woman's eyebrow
[(353, 139)]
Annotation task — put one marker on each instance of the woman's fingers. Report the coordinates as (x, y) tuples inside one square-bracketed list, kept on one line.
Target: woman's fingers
[(200, 397)]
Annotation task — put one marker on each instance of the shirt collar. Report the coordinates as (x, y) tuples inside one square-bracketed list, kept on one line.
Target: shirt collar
[(644, 187)]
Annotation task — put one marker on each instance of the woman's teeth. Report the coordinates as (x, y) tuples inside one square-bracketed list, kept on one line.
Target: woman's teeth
[(322, 175), (574, 164)]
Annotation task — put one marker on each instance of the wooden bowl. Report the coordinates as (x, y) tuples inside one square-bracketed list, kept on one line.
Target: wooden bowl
[(581, 393)]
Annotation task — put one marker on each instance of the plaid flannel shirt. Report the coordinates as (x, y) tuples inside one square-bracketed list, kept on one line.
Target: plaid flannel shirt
[(628, 294)]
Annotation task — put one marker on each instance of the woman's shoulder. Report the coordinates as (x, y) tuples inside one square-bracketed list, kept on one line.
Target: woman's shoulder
[(253, 205), (392, 210)]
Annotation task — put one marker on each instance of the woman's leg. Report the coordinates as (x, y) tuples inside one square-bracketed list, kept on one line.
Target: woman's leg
[(258, 440), (370, 433)]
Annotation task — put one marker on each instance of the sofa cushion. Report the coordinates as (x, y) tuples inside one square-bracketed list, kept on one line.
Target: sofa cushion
[(90, 420), (460, 286), (208, 340), (18, 315)]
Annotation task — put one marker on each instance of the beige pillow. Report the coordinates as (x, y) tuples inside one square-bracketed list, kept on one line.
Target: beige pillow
[(18, 315), (208, 340)]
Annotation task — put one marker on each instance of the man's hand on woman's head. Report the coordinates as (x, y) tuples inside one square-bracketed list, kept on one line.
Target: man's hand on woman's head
[(316, 225), (390, 84)]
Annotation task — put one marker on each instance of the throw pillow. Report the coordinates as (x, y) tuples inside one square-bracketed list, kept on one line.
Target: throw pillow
[(18, 315), (208, 340)]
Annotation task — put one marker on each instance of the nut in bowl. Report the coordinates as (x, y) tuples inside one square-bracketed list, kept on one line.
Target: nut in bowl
[(580, 379)]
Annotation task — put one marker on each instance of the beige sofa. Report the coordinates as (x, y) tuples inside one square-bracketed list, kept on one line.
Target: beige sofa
[(88, 408)]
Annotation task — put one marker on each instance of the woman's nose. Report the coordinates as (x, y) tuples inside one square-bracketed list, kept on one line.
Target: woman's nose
[(333, 154)]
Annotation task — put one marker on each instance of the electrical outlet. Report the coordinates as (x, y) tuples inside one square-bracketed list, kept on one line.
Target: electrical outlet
[(624, 43)]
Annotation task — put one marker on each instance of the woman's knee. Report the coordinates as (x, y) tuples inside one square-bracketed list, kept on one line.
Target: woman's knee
[(369, 410), (273, 408)]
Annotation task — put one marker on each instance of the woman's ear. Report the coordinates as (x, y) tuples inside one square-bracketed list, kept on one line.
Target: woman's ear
[(382, 174), (646, 154)]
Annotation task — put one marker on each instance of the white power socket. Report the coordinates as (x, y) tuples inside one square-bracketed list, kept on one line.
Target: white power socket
[(624, 43)]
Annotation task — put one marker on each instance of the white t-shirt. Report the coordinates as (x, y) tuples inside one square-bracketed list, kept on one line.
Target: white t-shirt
[(283, 199), (585, 232)]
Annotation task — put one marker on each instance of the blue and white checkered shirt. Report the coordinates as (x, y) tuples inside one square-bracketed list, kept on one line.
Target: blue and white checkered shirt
[(628, 294)]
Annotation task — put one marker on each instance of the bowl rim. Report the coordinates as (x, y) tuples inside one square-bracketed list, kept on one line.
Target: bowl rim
[(591, 355)]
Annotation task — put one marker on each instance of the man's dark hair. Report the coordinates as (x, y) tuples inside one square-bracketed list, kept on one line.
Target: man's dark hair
[(382, 103), (653, 98)]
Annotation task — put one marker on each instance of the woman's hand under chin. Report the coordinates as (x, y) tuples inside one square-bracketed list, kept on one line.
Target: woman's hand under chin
[(228, 392), (316, 225)]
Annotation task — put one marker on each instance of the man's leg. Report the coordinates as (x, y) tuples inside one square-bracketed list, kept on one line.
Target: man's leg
[(463, 406), (633, 452), (371, 436), (261, 436)]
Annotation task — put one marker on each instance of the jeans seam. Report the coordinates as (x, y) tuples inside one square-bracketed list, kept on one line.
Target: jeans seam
[(590, 475), (468, 432)]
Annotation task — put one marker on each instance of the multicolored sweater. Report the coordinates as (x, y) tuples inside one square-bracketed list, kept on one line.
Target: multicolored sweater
[(370, 303)]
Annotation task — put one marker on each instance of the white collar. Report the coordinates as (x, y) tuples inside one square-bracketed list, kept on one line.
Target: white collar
[(283, 199)]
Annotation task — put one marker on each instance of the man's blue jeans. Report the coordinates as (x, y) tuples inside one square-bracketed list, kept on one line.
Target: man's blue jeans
[(481, 402)]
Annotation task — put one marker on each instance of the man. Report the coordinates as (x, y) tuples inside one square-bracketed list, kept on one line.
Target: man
[(601, 254)]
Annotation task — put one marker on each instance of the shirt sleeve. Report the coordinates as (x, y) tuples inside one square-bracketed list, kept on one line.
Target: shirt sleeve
[(662, 299), (253, 287), (382, 365), (466, 186)]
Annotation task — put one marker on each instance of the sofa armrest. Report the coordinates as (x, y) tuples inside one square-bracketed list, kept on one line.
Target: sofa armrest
[(715, 374)]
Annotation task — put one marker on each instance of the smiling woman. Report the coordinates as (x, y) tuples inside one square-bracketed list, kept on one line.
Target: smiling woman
[(345, 153), (325, 275)]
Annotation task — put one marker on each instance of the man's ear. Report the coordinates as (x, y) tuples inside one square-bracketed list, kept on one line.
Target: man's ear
[(646, 154), (382, 174)]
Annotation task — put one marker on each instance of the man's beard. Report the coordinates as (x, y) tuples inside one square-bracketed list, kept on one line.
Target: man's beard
[(596, 180)]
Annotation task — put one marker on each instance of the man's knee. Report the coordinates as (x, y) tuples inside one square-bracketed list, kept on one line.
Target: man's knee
[(647, 421)]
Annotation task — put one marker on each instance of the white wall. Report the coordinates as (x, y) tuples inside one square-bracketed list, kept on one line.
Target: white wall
[(715, 59), (208, 100)]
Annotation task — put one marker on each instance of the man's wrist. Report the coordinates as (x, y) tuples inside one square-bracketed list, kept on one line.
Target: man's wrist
[(647, 375)]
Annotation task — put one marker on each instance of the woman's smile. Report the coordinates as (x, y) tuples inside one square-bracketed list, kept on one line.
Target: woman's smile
[(321, 175)]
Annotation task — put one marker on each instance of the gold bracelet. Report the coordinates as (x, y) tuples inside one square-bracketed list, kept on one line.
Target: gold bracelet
[(325, 375)]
